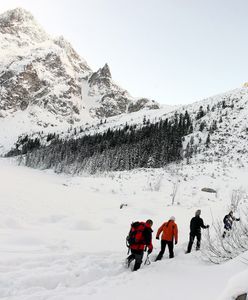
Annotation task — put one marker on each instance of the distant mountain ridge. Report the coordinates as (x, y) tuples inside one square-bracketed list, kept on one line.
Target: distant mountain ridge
[(47, 79)]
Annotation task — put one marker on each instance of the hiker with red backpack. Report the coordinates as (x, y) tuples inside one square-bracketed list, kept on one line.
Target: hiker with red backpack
[(169, 235), (138, 241)]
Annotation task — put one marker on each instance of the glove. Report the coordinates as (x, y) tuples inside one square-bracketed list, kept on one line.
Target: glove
[(207, 226), (157, 237), (149, 251), (175, 242)]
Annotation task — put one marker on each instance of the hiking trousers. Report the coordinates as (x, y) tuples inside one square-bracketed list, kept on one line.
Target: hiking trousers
[(163, 246), (136, 255), (192, 236)]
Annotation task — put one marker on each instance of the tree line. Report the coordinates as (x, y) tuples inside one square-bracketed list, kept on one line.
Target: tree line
[(153, 145)]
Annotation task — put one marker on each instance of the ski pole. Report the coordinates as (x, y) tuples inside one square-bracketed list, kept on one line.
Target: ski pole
[(147, 261)]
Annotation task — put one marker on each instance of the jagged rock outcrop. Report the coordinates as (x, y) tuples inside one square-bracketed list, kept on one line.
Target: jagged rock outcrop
[(208, 190), (140, 103), (113, 100)]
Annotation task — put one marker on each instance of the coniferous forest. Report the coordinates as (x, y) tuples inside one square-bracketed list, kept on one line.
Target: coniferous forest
[(152, 145)]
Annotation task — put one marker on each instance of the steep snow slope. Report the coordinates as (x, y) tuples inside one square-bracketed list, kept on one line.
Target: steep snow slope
[(64, 237), (226, 123)]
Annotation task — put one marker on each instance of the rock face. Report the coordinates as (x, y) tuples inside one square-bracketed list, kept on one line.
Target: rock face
[(208, 190), (112, 100), (46, 77)]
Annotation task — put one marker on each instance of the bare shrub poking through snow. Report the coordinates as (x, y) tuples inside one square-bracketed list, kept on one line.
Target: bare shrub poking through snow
[(154, 183), (237, 196), (217, 249), (174, 191)]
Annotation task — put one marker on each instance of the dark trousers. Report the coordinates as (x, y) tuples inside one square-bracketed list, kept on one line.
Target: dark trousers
[(227, 228), (192, 236), (163, 246), (136, 255)]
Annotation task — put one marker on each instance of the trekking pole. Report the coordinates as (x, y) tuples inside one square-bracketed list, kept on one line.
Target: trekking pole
[(128, 246), (147, 261)]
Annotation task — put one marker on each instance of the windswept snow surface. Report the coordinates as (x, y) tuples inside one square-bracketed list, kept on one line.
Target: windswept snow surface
[(63, 237)]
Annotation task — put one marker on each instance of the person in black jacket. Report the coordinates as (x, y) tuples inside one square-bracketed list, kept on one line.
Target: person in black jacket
[(196, 224), (228, 222)]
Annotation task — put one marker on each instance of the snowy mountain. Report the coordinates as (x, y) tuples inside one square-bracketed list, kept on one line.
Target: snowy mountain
[(214, 129), (46, 87), (63, 237), (46, 80)]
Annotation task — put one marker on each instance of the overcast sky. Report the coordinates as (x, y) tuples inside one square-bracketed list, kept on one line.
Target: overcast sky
[(173, 51)]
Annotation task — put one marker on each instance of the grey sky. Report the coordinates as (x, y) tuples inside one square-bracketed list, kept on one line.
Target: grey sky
[(174, 51)]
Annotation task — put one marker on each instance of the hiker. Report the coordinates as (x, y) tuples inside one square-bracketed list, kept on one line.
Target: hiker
[(228, 222), (170, 233), (139, 239), (196, 224)]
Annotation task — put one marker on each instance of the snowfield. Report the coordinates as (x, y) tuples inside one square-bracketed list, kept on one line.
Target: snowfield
[(63, 237)]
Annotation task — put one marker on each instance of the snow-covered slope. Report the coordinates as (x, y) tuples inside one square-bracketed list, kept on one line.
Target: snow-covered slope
[(19, 124), (220, 131), (225, 122), (64, 237), (46, 79)]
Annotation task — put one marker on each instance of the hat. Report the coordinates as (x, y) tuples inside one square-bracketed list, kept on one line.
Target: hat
[(149, 221), (172, 218), (198, 212)]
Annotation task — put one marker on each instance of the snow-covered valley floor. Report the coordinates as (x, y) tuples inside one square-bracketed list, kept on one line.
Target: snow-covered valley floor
[(63, 237)]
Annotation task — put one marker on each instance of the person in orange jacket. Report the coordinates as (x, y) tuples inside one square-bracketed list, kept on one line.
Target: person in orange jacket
[(170, 233)]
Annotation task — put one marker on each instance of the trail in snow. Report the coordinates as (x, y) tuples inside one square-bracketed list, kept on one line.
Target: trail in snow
[(63, 238)]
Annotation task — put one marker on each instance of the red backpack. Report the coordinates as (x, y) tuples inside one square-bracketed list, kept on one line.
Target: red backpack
[(136, 234)]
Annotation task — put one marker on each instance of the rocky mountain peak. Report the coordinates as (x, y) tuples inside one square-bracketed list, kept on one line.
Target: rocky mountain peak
[(105, 71), (102, 77), (20, 24), (14, 16)]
